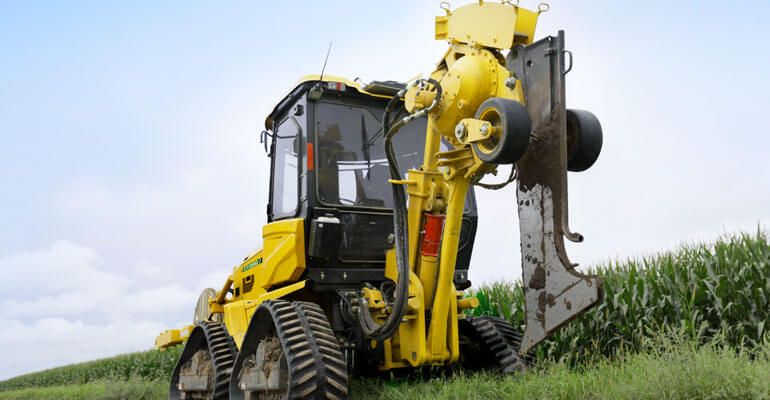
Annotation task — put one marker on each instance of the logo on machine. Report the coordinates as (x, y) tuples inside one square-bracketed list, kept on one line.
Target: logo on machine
[(252, 264)]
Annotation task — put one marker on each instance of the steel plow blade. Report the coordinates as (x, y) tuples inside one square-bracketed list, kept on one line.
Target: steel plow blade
[(554, 292)]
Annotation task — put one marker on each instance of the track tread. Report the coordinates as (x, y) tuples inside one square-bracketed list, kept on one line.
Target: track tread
[(502, 340), (331, 378), (317, 366), (222, 352)]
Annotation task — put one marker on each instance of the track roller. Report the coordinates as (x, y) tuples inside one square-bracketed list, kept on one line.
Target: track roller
[(203, 369), (289, 352)]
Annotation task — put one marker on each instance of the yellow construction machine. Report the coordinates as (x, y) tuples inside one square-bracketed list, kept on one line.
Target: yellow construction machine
[(372, 219)]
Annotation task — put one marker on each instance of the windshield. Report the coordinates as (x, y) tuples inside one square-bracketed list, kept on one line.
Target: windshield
[(351, 166)]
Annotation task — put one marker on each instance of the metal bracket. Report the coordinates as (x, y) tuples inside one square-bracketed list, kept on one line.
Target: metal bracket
[(570, 61)]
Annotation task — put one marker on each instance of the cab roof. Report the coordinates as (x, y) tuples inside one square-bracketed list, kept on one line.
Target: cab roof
[(381, 89)]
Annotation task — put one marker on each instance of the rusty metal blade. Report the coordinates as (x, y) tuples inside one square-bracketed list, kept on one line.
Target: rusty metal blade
[(554, 292)]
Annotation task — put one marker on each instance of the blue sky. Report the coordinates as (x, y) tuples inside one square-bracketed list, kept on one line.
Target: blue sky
[(132, 177)]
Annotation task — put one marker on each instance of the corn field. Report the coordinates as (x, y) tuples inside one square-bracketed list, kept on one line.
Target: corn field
[(721, 288), (148, 365)]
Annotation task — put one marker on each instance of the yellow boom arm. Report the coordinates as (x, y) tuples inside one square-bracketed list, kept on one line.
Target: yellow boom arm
[(493, 111)]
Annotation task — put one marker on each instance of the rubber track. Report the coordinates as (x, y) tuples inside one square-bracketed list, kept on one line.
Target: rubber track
[(512, 336), (317, 367), (502, 340), (222, 352)]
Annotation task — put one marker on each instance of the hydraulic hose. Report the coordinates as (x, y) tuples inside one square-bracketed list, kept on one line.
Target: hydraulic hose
[(369, 326)]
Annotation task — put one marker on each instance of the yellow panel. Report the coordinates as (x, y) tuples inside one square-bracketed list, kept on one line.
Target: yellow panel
[(238, 313), (244, 277), (273, 294), (284, 253), (526, 22), (391, 267), (487, 24), (236, 320), (412, 342)]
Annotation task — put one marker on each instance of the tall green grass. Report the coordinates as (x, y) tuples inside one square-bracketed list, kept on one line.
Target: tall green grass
[(679, 368), (146, 366), (674, 367), (702, 289), (102, 389)]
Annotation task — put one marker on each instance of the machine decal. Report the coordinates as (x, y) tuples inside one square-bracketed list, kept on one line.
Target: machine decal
[(252, 264)]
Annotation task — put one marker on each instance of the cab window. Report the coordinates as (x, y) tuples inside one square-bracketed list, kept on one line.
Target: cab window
[(285, 190)]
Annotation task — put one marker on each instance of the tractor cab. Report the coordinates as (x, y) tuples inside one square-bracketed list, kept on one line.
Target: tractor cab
[(328, 167)]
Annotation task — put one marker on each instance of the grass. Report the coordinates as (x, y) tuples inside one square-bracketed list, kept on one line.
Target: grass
[(102, 389), (689, 323), (683, 371)]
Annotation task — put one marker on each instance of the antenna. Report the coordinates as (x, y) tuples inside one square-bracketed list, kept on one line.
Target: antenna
[(327, 59), (317, 91)]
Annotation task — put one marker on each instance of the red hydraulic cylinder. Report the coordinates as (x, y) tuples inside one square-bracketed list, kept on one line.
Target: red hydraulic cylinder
[(431, 234)]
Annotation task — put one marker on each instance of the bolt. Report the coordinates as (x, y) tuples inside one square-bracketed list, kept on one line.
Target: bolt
[(323, 275), (391, 238), (363, 292), (484, 130), (460, 131), (510, 83), (344, 276)]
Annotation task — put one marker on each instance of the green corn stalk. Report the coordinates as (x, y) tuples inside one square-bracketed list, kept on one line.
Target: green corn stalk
[(147, 365), (703, 290)]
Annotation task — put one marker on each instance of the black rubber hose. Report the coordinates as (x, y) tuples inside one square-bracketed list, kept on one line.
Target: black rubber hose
[(369, 326)]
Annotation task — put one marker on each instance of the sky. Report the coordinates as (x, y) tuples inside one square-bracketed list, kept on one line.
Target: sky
[(132, 176)]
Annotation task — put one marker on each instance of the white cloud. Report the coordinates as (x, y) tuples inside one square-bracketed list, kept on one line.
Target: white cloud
[(153, 272), (80, 310), (63, 267), (50, 342), (177, 227)]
